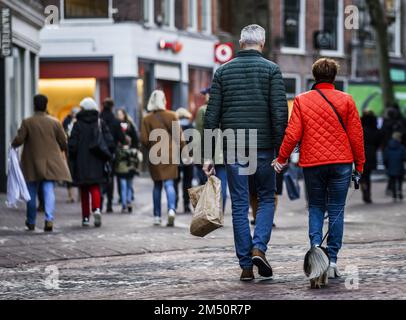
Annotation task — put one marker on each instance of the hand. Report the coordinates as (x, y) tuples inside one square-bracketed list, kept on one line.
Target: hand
[(279, 167), (208, 169)]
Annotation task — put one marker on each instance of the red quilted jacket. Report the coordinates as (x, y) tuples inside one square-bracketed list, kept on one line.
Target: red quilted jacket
[(316, 126)]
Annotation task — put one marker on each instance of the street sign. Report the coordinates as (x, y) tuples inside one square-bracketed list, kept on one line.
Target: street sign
[(223, 52), (5, 32)]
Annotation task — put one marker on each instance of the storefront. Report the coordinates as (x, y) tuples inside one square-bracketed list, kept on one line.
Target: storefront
[(67, 82), (20, 26), (168, 78)]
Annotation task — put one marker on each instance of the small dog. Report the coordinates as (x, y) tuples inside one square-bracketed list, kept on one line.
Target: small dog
[(316, 266)]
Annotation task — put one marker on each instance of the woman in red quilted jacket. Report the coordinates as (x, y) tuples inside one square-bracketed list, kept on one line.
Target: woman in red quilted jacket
[(331, 141)]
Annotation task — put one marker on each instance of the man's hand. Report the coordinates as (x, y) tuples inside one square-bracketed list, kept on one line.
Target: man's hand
[(208, 168), (279, 167)]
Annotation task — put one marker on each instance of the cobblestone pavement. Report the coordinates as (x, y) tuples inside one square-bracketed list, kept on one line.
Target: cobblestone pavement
[(128, 258)]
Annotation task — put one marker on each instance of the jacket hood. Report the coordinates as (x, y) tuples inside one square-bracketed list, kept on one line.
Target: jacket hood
[(157, 101), (88, 116)]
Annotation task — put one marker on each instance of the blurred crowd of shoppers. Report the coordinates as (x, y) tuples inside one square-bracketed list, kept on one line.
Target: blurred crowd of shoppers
[(390, 139)]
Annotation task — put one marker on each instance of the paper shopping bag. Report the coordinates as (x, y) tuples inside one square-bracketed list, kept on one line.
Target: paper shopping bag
[(208, 204)]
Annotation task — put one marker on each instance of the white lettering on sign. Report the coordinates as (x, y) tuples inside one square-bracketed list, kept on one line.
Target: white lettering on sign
[(6, 32)]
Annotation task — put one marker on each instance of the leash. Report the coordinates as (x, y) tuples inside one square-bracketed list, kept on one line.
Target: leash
[(336, 220)]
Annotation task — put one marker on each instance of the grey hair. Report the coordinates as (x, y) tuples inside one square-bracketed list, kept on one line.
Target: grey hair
[(253, 35)]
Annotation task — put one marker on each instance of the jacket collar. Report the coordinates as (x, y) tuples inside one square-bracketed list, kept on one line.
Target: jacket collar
[(40, 113), (323, 85), (249, 53)]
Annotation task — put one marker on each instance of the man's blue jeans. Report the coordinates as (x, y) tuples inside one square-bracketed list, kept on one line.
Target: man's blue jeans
[(327, 188), (238, 185), (49, 200), (126, 189), (170, 191)]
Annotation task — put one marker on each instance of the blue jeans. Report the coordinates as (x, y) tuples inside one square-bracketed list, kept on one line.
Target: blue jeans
[(239, 190), (327, 188), (126, 191), (170, 191), (221, 173), (49, 200)]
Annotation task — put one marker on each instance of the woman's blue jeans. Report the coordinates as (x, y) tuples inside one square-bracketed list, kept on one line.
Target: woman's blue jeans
[(49, 200), (327, 188), (169, 186), (126, 191)]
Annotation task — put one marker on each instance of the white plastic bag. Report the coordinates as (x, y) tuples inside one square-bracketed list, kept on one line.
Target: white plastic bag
[(16, 186)]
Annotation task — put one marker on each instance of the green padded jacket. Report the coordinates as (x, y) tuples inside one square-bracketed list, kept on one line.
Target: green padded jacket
[(249, 93)]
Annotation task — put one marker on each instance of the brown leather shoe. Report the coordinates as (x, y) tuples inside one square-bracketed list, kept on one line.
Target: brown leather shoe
[(247, 275), (259, 260), (49, 226)]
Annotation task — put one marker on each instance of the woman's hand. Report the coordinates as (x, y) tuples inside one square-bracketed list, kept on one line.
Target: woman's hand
[(279, 167)]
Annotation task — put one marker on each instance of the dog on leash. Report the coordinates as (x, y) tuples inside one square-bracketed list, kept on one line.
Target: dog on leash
[(316, 266)]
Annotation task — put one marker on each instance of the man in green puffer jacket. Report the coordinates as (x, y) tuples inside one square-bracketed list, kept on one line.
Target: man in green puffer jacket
[(248, 94)]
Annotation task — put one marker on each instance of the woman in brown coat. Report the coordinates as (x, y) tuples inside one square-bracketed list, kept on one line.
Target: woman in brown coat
[(42, 161), (162, 136)]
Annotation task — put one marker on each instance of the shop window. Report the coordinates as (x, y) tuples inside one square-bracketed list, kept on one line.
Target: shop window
[(163, 12), (330, 22), (192, 15), (291, 23), (225, 13), (199, 78), (294, 24), (179, 15), (291, 88), (33, 73), (206, 16), (87, 9), (333, 26), (394, 29)]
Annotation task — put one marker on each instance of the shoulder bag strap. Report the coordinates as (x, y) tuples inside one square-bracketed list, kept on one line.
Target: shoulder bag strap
[(334, 109)]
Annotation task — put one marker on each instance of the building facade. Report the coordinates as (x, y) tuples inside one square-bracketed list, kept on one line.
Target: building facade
[(18, 69), (127, 48), (300, 31)]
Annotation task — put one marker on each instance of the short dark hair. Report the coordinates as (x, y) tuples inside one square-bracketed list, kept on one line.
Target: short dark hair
[(108, 104), (325, 70), (40, 103)]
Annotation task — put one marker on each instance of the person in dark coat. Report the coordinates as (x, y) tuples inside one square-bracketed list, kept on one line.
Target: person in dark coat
[(89, 169), (393, 122), (394, 159), (185, 169), (109, 118), (126, 161), (373, 140)]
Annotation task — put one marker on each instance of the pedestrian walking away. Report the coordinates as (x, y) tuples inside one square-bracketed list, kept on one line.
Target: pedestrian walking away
[(185, 168), (126, 162), (68, 124), (163, 174), (327, 125), (43, 160), (90, 168), (109, 118), (249, 93), (373, 139), (394, 159)]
